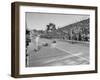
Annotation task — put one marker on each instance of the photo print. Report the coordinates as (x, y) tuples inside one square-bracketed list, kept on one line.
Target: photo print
[(57, 39)]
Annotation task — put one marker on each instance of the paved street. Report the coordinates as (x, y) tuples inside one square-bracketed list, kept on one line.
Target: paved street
[(57, 54)]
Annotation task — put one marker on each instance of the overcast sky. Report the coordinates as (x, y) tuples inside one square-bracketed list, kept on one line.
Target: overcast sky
[(40, 20)]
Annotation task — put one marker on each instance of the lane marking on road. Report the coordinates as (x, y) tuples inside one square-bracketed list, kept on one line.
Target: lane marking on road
[(72, 53), (60, 58)]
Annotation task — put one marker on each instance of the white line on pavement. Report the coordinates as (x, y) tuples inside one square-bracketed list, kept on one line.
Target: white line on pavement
[(62, 58), (72, 53)]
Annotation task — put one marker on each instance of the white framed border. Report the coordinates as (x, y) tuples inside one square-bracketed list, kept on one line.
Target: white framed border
[(38, 70)]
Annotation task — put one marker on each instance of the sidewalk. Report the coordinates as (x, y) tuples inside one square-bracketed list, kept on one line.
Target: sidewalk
[(75, 41)]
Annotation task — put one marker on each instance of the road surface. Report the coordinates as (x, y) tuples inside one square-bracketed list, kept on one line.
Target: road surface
[(57, 54)]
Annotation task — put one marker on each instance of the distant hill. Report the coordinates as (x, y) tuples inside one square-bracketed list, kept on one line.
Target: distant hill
[(83, 23), (77, 31)]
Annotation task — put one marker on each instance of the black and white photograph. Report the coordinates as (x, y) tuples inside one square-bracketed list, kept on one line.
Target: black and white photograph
[(53, 39), (57, 39)]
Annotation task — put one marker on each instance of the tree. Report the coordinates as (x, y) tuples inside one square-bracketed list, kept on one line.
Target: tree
[(80, 36), (51, 27), (27, 37)]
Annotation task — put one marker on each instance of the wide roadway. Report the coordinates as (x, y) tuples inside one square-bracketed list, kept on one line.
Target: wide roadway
[(57, 54)]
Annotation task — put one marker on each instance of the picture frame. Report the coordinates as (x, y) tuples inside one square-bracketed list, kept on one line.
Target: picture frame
[(27, 17)]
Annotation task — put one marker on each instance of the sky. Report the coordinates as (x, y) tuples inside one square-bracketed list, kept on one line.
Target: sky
[(39, 21)]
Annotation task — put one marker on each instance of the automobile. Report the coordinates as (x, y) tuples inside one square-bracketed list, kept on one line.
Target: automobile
[(54, 41), (45, 44)]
